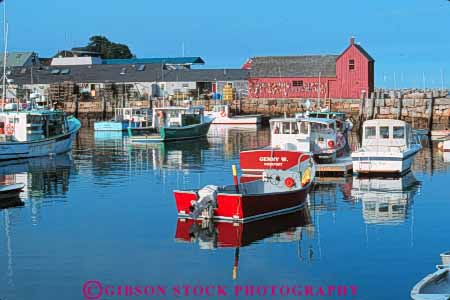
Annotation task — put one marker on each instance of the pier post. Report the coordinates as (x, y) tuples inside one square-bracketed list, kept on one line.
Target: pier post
[(103, 108), (371, 110), (430, 114), (400, 106), (77, 104)]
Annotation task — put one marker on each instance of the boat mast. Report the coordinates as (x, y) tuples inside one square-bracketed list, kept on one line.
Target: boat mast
[(5, 38)]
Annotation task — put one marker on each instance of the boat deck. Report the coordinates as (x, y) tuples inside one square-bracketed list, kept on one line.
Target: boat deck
[(342, 166)]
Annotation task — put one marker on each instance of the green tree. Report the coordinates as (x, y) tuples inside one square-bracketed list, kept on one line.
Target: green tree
[(106, 48)]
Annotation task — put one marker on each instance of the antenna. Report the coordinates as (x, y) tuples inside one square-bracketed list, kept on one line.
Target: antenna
[(424, 81)]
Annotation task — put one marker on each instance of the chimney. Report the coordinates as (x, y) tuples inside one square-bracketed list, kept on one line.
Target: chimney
[(352, 40)]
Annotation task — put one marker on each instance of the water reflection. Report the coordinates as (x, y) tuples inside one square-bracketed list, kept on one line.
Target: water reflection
[(385, 200), (177, 155), (211, 235), (43, 176)]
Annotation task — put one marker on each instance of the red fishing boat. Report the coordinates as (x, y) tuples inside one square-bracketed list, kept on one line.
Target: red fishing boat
[(277, 191)]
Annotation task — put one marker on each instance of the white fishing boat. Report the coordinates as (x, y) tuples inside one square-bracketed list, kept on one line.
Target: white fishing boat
[(343, 123), (388, 147), (435, 286), (33, 133), (125, 118), (315, 135), (222, 115)]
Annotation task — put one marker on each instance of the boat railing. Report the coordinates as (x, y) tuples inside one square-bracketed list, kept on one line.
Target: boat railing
[(382, 148)]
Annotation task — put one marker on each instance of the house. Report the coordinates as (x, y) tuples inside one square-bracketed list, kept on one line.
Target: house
[(348, 75), (154, 80), (19, 59)]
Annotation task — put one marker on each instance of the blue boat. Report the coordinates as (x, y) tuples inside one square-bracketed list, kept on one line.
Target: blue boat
[(35, 132), (126, 118)]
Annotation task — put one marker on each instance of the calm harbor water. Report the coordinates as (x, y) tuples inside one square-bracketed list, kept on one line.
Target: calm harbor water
[(106, 213)]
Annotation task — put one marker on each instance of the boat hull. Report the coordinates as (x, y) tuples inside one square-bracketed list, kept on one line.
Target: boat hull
[(56, 145), (115, 126), (245, 208), (366, 163), (11, 190), (238, 120), (435, 286), (167, 134)]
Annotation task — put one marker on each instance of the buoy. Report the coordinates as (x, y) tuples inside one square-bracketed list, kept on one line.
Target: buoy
[(306, 178), (9, 129), (222, 114), (331, 144), (289, 182)]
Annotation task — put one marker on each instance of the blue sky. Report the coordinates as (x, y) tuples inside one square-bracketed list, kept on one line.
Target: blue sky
[(408, 38)]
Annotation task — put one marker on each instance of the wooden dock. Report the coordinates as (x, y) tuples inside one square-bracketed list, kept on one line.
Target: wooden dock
[(342, 166)]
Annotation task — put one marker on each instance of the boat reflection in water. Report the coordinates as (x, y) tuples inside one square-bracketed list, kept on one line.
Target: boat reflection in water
[(385, 200), (211, 235), (173, 155), (42, 177), (220, 234), (446, 156)]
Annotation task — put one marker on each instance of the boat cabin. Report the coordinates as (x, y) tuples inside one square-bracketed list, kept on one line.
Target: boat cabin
[(306, 134), (340, 117), (138, 115), (177, 116), (220, 110), (27, 126), (379, 134)]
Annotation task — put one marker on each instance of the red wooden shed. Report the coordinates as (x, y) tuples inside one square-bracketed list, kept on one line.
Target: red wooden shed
[(349, 75)]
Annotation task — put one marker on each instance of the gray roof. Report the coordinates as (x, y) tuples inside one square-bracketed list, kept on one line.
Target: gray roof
[(16, 59), (294, 66), (112, 74), (208, 75)]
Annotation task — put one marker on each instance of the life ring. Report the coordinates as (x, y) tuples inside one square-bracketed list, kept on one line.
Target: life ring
[(289, 182), (222, 114), (9, 129)]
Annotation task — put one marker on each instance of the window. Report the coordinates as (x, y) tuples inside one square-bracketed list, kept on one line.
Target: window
[(297, 83), (286, 128), (276, 128), (65, 72), (304, 128), (294, 128), (351, 64), (399, 132), (185, 85), (55, 71), (384, 132), (141, 68), (370, 132), (123, 71)]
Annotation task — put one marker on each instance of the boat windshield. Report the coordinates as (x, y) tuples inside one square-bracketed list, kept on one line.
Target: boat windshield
[(285, 127), (322, 128)]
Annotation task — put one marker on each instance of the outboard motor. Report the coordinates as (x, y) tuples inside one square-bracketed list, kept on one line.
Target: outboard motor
[(207, 200)]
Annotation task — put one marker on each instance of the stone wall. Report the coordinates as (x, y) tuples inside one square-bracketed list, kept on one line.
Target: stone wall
[(411, 107)]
